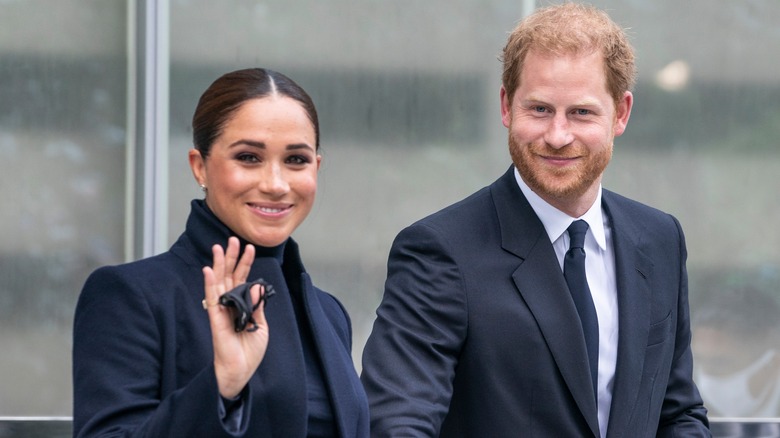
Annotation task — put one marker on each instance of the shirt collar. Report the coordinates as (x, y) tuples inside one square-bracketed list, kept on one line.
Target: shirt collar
[(556, 222)]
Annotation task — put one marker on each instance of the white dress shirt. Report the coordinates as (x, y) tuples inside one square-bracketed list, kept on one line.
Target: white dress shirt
[(600, 270)]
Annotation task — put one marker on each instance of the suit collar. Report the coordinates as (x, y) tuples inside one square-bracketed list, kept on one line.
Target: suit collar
[(337, 366), (557, 222), (634, 271), (540, 282), (284, 360), (521, 229), (204, 230)]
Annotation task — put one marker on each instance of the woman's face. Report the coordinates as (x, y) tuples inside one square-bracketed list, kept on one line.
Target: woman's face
[(261, 172)]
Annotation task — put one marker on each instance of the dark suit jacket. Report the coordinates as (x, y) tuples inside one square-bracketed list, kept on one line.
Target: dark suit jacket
[(477, 334), (143, 358)]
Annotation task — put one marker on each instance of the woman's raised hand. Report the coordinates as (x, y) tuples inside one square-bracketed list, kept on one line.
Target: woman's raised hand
[(236, 354)]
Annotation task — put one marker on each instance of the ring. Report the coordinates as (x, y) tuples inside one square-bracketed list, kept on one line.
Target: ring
[(206, 305)]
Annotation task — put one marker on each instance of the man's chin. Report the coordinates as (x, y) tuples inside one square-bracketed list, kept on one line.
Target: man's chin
[(556, 187)]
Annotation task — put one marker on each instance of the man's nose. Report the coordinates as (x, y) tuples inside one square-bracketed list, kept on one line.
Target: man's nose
[(559, 132)]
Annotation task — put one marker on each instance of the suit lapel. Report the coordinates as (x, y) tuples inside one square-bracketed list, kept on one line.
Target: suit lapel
[(328, 348), (338, 373), (633, 271), (540, 282), (283, 364)]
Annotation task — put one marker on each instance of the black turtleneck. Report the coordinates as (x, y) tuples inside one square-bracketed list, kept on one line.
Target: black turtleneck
[(321, 417)]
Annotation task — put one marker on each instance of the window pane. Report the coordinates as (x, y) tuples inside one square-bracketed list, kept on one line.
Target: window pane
[(62, 136), (407, 93), (702, 145), (408, 98)]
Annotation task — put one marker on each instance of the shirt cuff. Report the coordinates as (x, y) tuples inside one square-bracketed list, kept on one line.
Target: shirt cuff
[(231, 412)]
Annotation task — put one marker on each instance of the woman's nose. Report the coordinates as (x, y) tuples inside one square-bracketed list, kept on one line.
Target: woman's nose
[(273, 180)]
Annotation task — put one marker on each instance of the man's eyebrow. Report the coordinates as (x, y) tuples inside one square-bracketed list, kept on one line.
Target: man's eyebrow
[(583, 102)]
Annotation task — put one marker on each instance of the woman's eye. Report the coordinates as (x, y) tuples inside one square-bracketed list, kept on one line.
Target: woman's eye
[(298, 159), (247, 158)]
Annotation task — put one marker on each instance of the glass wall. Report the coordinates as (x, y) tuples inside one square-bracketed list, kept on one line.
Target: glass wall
[(408, 93), (408, 98), (702, 144), (63, 100)]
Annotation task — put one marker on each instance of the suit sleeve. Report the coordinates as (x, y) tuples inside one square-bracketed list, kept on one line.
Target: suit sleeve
[(410, 357), (117, 370), (683, 413)]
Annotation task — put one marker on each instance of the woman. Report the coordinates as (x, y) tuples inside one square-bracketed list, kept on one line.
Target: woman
[(148, 360)]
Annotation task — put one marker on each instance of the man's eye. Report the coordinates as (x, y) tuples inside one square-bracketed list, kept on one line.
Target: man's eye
[(582, 112), (540, 109)]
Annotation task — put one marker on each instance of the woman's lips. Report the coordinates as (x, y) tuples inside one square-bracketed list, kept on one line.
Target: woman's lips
[(275, 210)]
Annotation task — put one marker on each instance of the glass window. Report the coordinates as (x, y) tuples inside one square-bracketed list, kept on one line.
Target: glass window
[(702, 144), (63, 76), (408, 98)]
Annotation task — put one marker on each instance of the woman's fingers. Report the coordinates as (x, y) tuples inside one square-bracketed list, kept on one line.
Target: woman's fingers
[(218, 265), (211, 295), (241, 271), (227, 272), (236, 355), (212, 277), (231, 258), (236, 270)]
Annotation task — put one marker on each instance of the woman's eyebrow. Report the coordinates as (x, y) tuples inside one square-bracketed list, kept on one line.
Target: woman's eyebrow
[(253, 143)]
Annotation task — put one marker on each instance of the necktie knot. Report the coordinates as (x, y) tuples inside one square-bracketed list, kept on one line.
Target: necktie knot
[(577, 231)]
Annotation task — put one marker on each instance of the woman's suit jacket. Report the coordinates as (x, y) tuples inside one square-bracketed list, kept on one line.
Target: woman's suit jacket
[(143, 358), (477, 334)]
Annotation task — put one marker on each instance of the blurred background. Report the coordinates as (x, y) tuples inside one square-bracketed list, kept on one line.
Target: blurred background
[(96, 98)]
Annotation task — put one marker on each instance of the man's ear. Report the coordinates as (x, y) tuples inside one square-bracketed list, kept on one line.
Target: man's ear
[(623, 113), (506, 108)]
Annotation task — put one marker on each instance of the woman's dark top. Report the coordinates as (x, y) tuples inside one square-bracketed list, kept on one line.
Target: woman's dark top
[(143, 359)]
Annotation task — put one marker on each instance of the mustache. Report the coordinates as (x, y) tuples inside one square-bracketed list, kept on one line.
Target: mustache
[(569, 151)]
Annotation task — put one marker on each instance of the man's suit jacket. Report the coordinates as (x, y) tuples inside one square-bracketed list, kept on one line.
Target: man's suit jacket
[(143, 357), (477, 334)]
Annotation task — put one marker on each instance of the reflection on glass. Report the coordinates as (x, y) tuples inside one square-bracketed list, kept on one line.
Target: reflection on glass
[(736, 340), (62, 142), (409, 94)]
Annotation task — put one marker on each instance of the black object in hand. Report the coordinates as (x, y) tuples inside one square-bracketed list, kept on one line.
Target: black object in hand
[(239, 300)]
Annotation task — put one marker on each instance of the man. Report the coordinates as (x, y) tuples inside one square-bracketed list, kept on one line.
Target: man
[(478, 333)]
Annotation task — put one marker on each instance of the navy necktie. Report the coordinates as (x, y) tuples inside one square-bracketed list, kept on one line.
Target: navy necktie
[(574, 272)]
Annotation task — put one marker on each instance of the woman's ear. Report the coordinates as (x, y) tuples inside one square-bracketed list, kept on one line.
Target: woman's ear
[(198, 166)]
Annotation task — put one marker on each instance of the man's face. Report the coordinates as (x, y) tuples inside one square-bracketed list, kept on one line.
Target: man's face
[(562, 122)]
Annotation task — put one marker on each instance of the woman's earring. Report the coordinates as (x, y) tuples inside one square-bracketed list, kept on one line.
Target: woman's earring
[(203, 187)]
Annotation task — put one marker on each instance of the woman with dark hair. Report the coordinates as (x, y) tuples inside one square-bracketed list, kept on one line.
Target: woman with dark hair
[(224, 334)]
